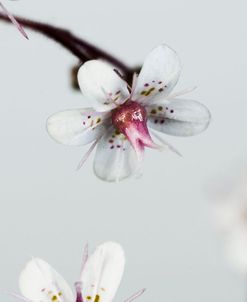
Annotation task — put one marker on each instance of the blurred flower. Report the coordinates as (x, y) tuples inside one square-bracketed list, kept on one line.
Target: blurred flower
[(122, 116), (99, 280), (231, 220), (13, 20)]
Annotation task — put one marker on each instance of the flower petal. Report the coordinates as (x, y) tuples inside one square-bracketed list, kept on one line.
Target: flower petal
[(159, 74), (99, 82), (102, 273), (77, 127), (115, 158), (178, 117), (40, 282)]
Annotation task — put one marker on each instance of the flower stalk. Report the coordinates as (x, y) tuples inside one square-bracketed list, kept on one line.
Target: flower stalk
[(80, 48)]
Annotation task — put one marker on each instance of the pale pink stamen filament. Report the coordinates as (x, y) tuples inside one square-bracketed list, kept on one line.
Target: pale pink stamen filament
[(84, 258), (180, 93), (20, 297), (165, 143), (86, 156), (13, 20), (136, 295)]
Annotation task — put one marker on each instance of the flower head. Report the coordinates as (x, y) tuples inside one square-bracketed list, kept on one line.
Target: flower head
[(100, 277), (122, 116)]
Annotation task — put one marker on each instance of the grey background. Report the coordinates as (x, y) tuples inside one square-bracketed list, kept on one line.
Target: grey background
[(163, 220)]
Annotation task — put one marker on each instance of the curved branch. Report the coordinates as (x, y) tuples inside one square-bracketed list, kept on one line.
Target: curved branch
[(81, 49)]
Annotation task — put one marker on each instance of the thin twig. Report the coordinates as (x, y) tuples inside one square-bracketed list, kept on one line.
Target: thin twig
[(81, 49)]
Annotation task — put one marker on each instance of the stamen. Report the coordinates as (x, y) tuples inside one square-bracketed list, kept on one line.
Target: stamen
[(108, 96), (134, 82), (136, 295), (118, 73), (78, 287), (84, 257), (20, 297), (182, 92), (97, 298), (14, 21), (58, 290), (123, 78), (118, 101), (86, 156), (173, 149)]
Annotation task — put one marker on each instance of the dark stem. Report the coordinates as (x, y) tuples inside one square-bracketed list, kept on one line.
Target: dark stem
[(81, 49)]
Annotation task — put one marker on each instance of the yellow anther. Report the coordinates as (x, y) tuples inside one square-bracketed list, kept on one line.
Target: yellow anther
[(97, 298)]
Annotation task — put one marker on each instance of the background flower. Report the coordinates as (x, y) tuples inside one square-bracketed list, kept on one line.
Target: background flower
[(230, 212), (99, 280)]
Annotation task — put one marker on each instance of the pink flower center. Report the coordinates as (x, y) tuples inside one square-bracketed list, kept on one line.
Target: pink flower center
[(131, 120)]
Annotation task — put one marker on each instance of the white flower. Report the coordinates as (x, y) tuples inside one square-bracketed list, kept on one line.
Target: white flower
[(231, 220), (121, 116), (99, 280)]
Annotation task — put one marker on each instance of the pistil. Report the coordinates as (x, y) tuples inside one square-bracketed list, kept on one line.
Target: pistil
[(131, 120)]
